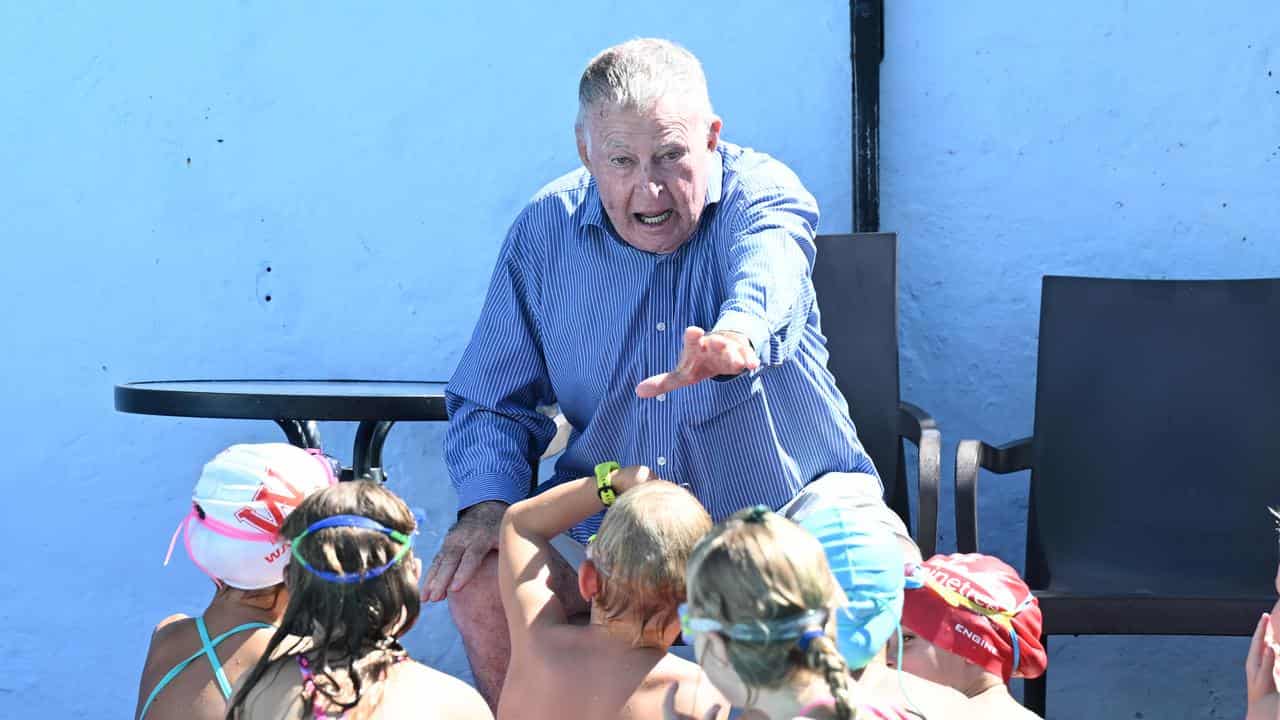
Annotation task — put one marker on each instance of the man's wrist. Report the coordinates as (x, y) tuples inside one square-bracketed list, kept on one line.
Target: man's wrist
[(747, 326), (497, 506)]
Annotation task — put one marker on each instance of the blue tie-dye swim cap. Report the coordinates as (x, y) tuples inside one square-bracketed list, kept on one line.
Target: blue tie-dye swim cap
[(868, 565)]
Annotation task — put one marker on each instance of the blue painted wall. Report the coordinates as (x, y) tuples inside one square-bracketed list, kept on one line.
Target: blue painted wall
[(157, 158), (1130, 138), (155, 161)]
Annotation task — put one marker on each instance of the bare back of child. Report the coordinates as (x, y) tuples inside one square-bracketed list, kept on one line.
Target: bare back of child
[(617, 665), (193, 691)]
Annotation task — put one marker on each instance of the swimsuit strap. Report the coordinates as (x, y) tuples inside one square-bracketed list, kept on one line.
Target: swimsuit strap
[(207, 649)]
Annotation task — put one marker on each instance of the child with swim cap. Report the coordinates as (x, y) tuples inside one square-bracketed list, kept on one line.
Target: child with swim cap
[(353, 592), (231, 534), (973, 624), (616, 665), (763, 614)]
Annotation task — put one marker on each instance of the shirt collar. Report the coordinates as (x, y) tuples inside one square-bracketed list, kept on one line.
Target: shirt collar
[(592, 210)]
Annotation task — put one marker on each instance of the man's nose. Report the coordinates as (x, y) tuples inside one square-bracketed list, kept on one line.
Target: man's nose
[(648, 184)]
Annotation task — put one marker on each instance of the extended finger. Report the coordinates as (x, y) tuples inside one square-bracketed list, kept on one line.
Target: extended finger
[(471, 560), (442, 571), (692, 335), (661, 383)]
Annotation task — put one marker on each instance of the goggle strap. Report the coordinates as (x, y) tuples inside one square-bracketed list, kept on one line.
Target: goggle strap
[(360, 522)]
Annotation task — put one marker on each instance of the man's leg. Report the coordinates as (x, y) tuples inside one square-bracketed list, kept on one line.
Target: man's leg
[(857, 492), (477, 612)]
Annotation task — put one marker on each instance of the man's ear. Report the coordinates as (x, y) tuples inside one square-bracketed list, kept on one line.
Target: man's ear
[(713, 133), (588, 580), (579, 133)]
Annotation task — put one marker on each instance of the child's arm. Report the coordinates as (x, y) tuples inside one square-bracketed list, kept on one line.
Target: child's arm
[(524, 547)]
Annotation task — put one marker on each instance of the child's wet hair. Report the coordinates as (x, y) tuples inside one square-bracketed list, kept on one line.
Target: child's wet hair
[(641, 552), (759, 569), (345, 621)]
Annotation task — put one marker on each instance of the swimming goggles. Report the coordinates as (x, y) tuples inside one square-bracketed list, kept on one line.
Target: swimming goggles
[(790, 628), (363, 523)]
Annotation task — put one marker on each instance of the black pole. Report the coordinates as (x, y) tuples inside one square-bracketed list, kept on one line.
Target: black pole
[(866, 18)]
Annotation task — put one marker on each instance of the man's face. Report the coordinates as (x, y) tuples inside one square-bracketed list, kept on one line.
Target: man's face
[(651, 169)]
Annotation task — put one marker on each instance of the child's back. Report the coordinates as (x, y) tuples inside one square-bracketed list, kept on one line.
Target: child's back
[(590, 673), (194, 692), (409, 690)]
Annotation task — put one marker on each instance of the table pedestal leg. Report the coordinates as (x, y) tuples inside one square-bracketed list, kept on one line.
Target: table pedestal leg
[(302, 433), (367, 456)]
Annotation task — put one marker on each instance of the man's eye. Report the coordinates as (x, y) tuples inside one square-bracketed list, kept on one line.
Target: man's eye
[(620, 161), (674, 155)]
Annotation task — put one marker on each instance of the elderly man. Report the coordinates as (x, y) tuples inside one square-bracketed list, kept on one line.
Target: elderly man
[(661, 296)]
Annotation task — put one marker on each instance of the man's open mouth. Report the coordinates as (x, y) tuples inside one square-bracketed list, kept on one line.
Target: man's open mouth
[(653, 219)]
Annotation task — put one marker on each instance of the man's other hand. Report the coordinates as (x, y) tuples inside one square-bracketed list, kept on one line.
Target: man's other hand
[(468, 541), (705, 355)]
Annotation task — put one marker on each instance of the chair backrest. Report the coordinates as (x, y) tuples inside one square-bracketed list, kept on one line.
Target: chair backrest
[(1157, 431), (856, 281)]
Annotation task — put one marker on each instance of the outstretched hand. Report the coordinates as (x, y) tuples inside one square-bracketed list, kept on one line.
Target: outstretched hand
[(704, 355), (1260, 673)]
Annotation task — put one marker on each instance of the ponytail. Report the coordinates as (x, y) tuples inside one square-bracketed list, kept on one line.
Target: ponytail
[(820, 654)]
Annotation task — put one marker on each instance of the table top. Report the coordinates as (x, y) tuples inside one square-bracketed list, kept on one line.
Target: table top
[(285, 399)]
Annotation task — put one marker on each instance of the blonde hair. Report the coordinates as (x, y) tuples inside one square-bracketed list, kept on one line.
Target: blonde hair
[(760, 572), (641, 552)]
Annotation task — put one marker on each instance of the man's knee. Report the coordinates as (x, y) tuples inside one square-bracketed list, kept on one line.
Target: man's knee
[(478, 604), (860, 494)]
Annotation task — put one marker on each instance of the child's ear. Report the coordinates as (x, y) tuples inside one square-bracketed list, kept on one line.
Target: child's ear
[(415, 570), (588, 580)]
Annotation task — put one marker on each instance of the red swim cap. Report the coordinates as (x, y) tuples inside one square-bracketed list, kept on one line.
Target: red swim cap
[(975, 606)]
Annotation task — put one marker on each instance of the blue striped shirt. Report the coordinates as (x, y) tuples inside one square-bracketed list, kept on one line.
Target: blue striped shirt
[(576, 316)]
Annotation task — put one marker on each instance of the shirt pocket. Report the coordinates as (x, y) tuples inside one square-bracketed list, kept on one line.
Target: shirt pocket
[(711, 399)]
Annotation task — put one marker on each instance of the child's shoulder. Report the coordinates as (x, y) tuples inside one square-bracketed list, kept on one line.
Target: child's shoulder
[(172, 623), (687, 692)]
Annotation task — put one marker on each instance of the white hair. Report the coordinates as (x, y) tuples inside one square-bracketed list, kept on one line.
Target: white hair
[(638, 73)]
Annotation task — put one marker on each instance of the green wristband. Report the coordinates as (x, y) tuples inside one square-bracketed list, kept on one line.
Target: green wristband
[(604, 486)]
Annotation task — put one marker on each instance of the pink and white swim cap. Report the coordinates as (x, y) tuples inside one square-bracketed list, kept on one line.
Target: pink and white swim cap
[(238, 506)]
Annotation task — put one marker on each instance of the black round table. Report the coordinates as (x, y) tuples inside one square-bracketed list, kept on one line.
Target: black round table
[(296, 405)]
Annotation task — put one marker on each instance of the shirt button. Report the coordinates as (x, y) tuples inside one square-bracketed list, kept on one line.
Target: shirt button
[(661, 461), (662, 397), (662, 326)]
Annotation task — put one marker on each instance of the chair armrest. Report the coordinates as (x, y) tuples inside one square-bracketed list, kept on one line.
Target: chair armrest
[(970, 456), (920, 428)]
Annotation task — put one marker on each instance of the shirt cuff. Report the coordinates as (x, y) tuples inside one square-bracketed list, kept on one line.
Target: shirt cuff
[(754, 328), (478, 489)]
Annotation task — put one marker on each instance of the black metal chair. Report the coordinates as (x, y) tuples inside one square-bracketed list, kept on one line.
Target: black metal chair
[(1153, 459), (856, 280)]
